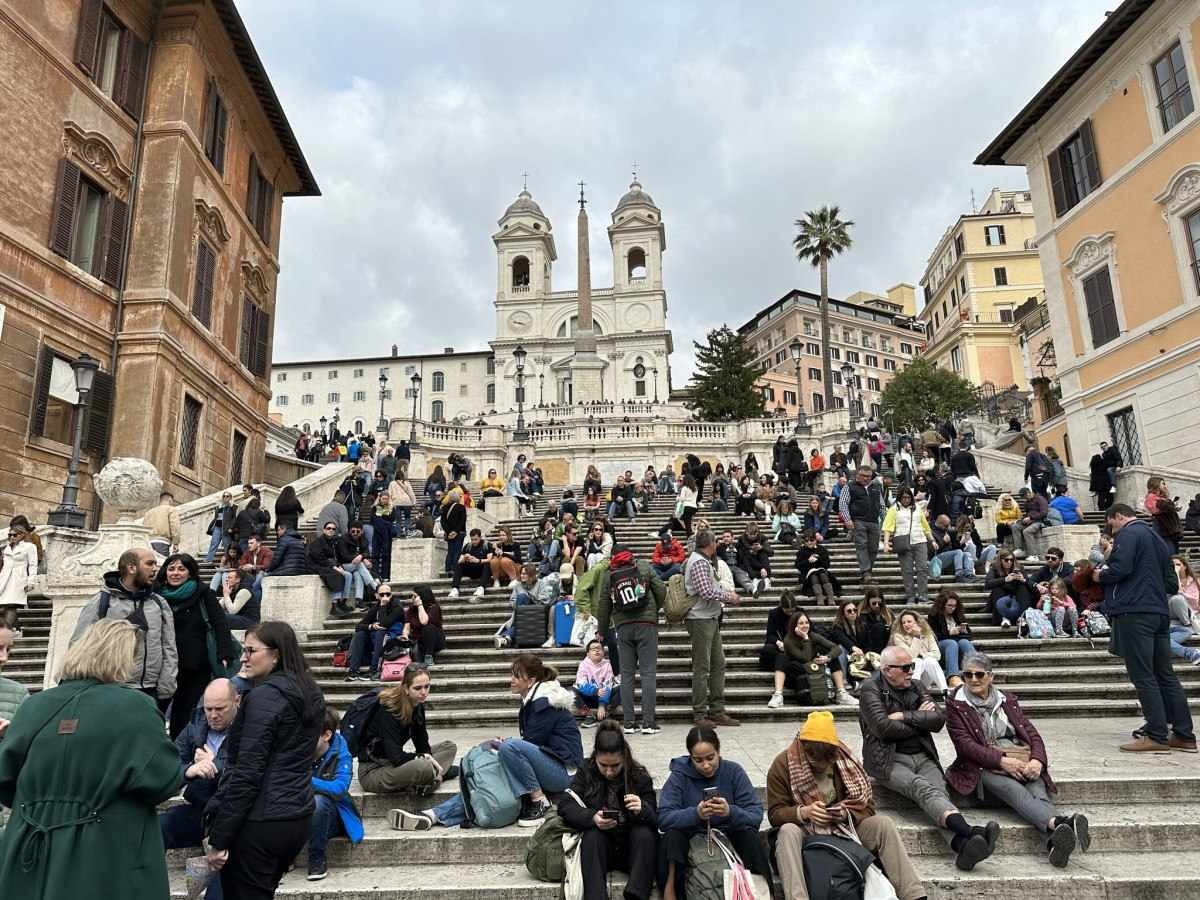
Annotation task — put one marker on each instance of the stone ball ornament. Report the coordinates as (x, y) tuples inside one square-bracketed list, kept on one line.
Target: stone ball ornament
[(128, 484)]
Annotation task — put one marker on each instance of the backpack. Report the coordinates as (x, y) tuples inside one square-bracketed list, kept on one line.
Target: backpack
[(716, 872), (488, 800), (835, 868), (627, 589), (935, 568), (356, 723), (787, 533), (544, 857), (1095, 624), (678, 604), (1036, 624), (817, 685), (341, 652)]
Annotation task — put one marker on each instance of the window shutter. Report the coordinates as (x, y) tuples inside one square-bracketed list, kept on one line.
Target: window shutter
[(88, 35), (135, 57), (262, 340), (246, 340), (1090, 162), (117, 219), (252, 190), (203, 290), (66, 196), (41, 391), (206, 134), (1057, 187), (267, 201), (219, 142), (99, 413)]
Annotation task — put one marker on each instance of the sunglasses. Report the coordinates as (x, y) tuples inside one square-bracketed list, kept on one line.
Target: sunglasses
[(383, 593), (1051, 559), (907, 667), (975, 676)]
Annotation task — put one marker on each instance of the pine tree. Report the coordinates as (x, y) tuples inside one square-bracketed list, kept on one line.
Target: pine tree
[(723, 386), (922, 392)]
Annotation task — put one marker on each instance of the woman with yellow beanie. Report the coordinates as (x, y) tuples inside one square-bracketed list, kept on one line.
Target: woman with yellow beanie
[(816, 786)]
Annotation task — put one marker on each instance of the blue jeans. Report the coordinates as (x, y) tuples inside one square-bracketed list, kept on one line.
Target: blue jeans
[(218, 542), (1008, 608), (666, 570), (630, 509), (453, 552), (666, 485), (1144, 641), (954, 651), (326, 824), (357, 578), (963, 565), (1179, 634), (181, 826)]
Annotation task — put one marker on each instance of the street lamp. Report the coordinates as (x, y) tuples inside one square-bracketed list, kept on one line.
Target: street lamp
[(68, 514), (520, 435), (323, 421), (416, 390), (654, 372), (848, 377), (383, 380), (541, 389), (796, 348)]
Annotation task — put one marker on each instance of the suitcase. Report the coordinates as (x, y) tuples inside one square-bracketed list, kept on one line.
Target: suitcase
[(564, 622), (529, 625)]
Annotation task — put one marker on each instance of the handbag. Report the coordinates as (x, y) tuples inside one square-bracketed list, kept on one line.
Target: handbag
[(1020, 753), (573, 878), (210, 643), (738, 882)]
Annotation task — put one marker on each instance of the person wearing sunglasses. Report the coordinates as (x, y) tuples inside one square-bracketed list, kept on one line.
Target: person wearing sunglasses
[(382, 619), (1002, 760), (898, 720)]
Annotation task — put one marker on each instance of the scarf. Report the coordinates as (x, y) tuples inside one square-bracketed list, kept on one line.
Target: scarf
[(858, 799), (177, 596), (996, 726)]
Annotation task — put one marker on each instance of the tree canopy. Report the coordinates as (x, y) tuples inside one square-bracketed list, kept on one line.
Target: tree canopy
[(723, 386), (820, 236), (922, 391)]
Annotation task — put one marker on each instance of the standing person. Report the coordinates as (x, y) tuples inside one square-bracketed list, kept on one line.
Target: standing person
[(288, 509), (1058, 471), (195, 612), (453, 516), (611, 803), (251, 520), (385, 766), (12, 693), (404, 501), (163, 524), (1099, 483), (335, 813), (221, 529), (1137, 577), (906, 529), (814, 787), (1037, 471), (708, 652), (898, 720), (629, 596), (83, 766), (262, 812), (423, 624), (861, 507), (128, 594), (20, 565)]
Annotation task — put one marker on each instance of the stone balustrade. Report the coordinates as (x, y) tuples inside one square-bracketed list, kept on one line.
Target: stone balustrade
[(1131, 485), (1075, 541), (302, 601)]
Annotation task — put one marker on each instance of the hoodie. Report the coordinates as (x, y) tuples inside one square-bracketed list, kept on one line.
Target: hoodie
[(547, 720), (331, 777), (685, 789), (156, 666)]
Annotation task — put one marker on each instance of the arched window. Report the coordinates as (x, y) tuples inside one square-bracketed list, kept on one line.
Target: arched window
[(491, 394), (639, 375), (306, 427), (567, 329), (437, 411), (520, 270), (439, 382), (637, 263), (358, 426)]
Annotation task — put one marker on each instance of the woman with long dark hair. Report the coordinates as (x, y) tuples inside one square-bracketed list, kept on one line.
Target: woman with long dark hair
[(423, 624), (611, 803), (196, 610), (288, 509), (262, 811)]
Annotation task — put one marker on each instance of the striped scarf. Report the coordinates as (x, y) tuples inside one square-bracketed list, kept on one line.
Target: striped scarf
[(858, 799)]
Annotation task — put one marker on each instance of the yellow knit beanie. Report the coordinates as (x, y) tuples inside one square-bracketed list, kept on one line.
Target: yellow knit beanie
[(819, 727)]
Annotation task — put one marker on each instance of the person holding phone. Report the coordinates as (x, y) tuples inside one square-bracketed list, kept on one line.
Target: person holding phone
[(703, 791), (1009, 593), (611, 802)]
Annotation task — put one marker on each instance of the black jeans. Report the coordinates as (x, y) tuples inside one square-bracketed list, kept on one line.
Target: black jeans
[(629, 850), (673, 847), (260, 856), (1143, 640), (432, 642)]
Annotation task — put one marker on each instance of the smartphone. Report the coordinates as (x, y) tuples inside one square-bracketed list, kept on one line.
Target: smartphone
[(712, 793), (609, 814)]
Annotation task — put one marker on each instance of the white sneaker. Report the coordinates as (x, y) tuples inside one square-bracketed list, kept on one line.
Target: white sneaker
[(1005, 623), (754, 586), (1196, 661), (776, 701), (845, 698), (500, 641), (1112, 490), (478, 595), (549, 645), (453, 595), (1019, 554), (766, 584)]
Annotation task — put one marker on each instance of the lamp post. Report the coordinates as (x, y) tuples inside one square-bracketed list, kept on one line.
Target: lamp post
[(541, 389), (654, 372), (796, 348), (383, 380), (416, 390), (323, 420), (68, 514), (520, 435), (848, 377)]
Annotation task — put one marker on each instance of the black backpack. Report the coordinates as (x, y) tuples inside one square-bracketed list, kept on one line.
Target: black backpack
[(835, 868), (356, 722), (627, 589)]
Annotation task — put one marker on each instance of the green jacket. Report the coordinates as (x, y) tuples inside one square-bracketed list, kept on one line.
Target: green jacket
[(12, 695), (585, 589), (83, 766), (648, 614)]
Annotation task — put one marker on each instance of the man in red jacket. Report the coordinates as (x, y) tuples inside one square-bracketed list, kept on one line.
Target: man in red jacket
[(668, 557)]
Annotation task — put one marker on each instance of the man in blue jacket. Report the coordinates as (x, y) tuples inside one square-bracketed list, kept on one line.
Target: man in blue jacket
[(336, 813), (1138, 577)]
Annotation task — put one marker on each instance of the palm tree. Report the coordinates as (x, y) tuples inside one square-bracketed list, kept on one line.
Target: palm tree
[(822, 236)]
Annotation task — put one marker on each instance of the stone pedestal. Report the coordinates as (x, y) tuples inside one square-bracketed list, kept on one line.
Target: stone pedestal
[(102, 555), (67, 597), (501, 508), (1075, 541), (302, 601), (59, 544), (986, 523), (587, 378), (418, 559), (418, 463), (484, 521)]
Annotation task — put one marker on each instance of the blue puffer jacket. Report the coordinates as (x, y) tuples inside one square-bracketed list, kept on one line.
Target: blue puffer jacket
[(1139, 568), (547, 721), (685, 789), (291, 555), (331, 778)]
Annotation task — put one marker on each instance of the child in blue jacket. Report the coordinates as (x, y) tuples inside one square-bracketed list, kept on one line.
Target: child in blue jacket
[(336, 813)]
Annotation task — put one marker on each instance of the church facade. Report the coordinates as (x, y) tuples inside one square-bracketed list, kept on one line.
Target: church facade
[(629, 325)]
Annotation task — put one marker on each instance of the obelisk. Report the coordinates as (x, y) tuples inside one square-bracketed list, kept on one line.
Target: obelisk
[(587, 369)]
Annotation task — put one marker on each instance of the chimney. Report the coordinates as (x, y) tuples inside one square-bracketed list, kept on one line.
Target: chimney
[(395, 351)]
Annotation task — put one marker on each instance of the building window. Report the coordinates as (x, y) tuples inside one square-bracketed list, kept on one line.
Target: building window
[(306, 400), (768, 393), (812, 349), (202, 289), (360, 396), (937, 319), (189, 431), (906, 348), (437, 411), (112, 55), (818, 403), (1074, 169), (960, 246), (255, 338), (852, 356), (637, 264), (1174, 91), (839, 402), (387, 394), (814, 374), (1001, 276), (993, 235), (953, 300), (358, 373), (260, 200), (88, 226), (835, 353), (810, 328), (280, 377), (238, 461), (1101, 308), (520, 272), (333, 397), (439, 382), (216, 121), (1192, 224), (331, 375), (955, 359), (847, 336), (567, 328), (306, 376), (780, 356), (462, 390), (836, 376), (490, 394), (875, 410), (1006, 314), (281, 400), (872, 360), (358, 426), (639, 389), (789, 398), (872, 384), (385, 370), (1123, 427), (962, 286)]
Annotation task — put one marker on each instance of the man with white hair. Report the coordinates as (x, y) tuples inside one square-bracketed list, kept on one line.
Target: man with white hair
[(898, 720)]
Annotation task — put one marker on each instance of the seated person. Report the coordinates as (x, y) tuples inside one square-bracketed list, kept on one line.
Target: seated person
[(241, 599), (354, 555), (669, 556), (1009, 595), (815, 786), (611, 803), (950, 550), (569, 503), (950, 629), (544, 549), (598, 546), (1008, 513), (593, 684), (383, 619), (1056, 602), (257, 558), (230, 562), (335, 812), (492, 486), (683, 810), (777, 629), (816, 518), (1067, 506), (802, 648), (473, 563), (1055, 567), (911, 632), (423, 625), (384, 766), (1002, 760), (785, 524), (620, 499), (504, 557), (812, 562), (754, 557), (898, 719)]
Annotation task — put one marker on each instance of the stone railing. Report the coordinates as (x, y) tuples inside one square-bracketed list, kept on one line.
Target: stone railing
[(1006, 472)]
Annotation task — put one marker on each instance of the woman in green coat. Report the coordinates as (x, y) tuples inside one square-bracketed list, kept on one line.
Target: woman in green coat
[(83, 766)]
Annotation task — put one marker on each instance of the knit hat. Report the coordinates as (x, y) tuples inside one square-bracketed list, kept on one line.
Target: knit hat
[(819, 727)]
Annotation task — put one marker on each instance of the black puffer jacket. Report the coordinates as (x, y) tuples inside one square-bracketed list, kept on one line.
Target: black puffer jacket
[(590, 792), (877, 700), (291, 555), (272, 743)]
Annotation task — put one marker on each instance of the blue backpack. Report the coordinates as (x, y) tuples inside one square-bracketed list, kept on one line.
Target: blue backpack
[(488, 799)]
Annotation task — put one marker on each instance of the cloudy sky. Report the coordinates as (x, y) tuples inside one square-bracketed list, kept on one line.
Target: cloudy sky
[(419, 118)]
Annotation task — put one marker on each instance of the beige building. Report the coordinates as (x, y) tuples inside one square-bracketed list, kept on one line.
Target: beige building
[(984, 267), (873, 333), (141, 193), (1111, 146)]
